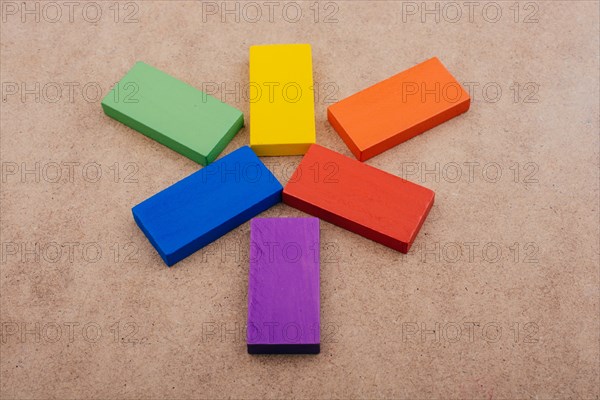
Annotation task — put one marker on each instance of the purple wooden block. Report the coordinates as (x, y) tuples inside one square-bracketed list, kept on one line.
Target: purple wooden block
[(283, 286)]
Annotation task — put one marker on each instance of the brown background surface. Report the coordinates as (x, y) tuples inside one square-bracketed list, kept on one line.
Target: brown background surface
[(505, 269)]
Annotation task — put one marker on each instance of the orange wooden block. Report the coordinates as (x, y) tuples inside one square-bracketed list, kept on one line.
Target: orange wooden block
[(363, 199), (397, 109)]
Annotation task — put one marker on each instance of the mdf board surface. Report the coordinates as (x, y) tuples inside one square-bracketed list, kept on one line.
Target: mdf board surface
[(398, 108), (282, 109), (199, 209), (548, 310), (173, 113), (358, 197), (283, 286)]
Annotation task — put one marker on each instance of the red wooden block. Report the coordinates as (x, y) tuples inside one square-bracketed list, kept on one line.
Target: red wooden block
[(363, 199)]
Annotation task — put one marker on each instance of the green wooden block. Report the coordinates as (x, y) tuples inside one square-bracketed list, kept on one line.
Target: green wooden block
[(173, 113)]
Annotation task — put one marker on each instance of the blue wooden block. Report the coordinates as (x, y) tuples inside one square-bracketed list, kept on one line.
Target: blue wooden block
[(201, 208)]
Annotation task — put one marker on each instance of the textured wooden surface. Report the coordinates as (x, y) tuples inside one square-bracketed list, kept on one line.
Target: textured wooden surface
[(398, 108), (283, 286), (519, 253), (365, 200)]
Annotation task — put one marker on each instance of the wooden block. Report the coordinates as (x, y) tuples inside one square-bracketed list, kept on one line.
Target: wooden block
[(201, 208), (358, 197), (282, 105), (397, 109), (283, 286), (173, 113)]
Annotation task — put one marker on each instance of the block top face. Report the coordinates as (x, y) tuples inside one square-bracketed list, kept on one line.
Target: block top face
[(283, 290), (398, 103), (360, 193), (281, 94), (177, 215), (177, 110)]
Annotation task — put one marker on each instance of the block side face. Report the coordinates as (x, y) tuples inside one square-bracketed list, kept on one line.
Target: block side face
[(343, 134), (218, 149), (140, 223), (268, 150), (351, 191), (408, 99), (284, 348), (283, 289), (282, 103), (172, 108), (201, 207), (421, 222)]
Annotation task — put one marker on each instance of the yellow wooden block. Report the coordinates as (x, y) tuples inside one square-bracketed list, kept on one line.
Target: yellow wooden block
[(282, 103)]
